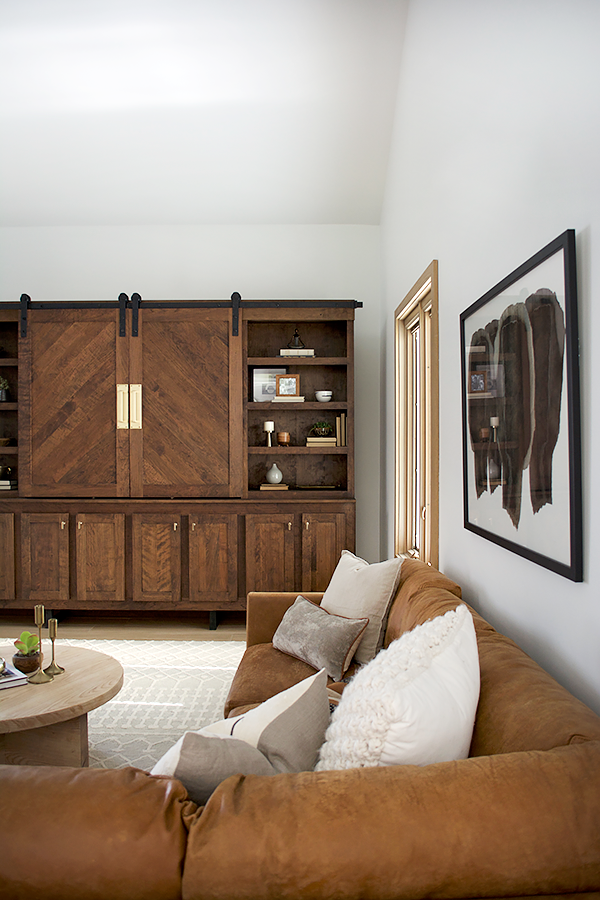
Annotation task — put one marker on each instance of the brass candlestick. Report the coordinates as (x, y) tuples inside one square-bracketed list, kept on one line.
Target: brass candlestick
[(53, 668), (39, 676)]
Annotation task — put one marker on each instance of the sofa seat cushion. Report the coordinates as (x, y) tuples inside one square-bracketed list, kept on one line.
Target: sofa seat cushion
[(264, 671), (415, 703)]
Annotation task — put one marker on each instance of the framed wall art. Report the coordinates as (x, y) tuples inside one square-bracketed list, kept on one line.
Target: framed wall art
[(264, 383), (521, 412), (288, 386)]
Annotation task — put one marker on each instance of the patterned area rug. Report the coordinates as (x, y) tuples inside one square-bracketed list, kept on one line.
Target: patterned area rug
[(169, 687)]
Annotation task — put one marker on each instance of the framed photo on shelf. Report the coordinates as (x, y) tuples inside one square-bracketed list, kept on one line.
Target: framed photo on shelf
[(264, 383), (521, 412), (288, 386)]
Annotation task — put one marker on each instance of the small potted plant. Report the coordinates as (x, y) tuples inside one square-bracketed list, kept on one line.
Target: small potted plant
[(27, 657), (3, 389)]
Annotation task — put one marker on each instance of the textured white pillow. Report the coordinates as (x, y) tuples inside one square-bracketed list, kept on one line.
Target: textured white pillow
[(359, 590), (414, 704)]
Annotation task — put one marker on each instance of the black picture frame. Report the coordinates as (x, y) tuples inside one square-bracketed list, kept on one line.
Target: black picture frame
[(521, 416)]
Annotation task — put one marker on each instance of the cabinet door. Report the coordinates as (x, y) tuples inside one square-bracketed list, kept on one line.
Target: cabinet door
[(69, 445), (270, 552), (7, 556), (156, 557), (213, 551), (323, 539), (190, 440), (100, 548), (45, 557)]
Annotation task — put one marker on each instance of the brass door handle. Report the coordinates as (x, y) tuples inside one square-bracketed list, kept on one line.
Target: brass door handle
[(122, 406), (135, 406)]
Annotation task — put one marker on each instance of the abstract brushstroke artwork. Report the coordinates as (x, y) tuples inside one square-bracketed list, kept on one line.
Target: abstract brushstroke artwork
[(521, 421)]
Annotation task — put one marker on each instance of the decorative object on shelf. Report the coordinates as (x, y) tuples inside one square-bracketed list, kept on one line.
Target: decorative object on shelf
[(522, 489), (27, 657), (4, 442), (283, 438), (321, 429), (269, 427), (53, 668), (39, 677), (264, 384), (323, 396), (288, 387), (274, 475), (296, 347), (495, 424), (4, 389)]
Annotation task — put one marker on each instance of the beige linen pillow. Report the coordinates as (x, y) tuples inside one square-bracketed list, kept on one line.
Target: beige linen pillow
[(359, 590)]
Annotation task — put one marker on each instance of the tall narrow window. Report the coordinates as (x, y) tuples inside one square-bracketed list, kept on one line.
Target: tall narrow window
[(417, 426)]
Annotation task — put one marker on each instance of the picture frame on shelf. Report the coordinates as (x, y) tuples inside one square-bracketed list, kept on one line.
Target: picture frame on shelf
[(287, 386), (521, 412), (264, 383)]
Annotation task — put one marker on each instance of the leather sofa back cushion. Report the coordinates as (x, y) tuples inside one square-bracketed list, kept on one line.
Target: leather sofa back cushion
[(93, 834), (423, 593), (508, 825)]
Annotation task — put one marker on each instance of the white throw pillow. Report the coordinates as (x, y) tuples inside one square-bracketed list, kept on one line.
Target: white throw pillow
[(283, 734), (414, 704), (359, 590)]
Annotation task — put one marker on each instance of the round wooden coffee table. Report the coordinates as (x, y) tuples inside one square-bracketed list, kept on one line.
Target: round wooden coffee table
[(46, 724)]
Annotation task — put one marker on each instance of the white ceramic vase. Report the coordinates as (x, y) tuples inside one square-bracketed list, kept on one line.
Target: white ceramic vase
[(274, 475)]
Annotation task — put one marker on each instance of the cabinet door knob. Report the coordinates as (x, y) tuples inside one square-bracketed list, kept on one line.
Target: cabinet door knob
[(193, 526), (80, 525), (174, 526), (289, 526), (62, 525), (307, 525)]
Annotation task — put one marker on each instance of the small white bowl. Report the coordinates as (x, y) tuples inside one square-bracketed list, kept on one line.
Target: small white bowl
[(323, 396)]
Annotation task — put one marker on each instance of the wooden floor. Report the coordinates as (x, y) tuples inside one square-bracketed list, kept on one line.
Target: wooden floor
[(134, 627)]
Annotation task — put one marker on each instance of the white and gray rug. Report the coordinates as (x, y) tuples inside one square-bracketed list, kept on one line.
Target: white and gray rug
[(169, 687)]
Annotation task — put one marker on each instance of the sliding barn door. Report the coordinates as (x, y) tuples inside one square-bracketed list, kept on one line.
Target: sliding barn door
[(188, 442), (69, 445)]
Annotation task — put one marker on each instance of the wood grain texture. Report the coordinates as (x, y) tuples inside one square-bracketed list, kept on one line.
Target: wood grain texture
[(7, 556), (45, 556), (213, 552), (270, 553), (91, 679), (100, 553), (156, 557), (68, 407), (323, 539)]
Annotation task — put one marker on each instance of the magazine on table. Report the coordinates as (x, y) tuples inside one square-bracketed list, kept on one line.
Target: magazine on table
[(11, 677)]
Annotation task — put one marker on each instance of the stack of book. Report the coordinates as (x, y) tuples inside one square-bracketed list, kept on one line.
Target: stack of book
[(11, 677), (273, 487), (287, 351), (321, 442), (7, 484), (287, 400)]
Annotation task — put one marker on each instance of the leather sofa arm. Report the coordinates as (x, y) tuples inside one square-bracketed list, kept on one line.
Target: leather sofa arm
[(266, 609)]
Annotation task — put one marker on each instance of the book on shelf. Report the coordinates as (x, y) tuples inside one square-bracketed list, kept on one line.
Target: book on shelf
[(321, 442), (11, 677), (340, 429), (289, 351), (287, 400), (274, 487), (8, 485)]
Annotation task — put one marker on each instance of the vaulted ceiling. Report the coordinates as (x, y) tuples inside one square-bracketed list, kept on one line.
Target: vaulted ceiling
[(117, 112)]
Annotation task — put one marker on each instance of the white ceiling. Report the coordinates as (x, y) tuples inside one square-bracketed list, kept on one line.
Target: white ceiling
[(117, 112)]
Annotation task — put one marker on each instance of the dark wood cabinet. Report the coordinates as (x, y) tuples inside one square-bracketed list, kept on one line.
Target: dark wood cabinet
[(7, 556), (134, 451), (100, 555), (45, 557)]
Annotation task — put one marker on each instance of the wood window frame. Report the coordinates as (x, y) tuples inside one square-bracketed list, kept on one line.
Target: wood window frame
[(416, 377)]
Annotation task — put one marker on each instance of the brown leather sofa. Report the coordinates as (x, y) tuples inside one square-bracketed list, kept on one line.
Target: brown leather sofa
[(520, 817)]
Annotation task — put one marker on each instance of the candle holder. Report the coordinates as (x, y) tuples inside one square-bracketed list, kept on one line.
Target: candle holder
[(495, 424), (269, 427), (53, 668), (39, 676)]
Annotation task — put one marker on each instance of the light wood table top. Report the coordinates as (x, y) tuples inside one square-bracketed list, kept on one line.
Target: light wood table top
[(89, 680)]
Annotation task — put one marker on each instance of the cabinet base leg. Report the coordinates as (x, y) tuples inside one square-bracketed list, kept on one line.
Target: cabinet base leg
[(213, 619)]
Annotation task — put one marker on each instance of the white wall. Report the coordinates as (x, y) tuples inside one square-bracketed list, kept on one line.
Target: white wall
[(496, 153), (208, 262)]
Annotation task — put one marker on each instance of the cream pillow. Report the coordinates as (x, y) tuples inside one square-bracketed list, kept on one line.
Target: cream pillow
[(360, 590), (415, 704)]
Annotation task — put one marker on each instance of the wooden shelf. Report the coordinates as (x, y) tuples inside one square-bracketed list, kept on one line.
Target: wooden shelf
[(307, 404), (285, 451), (7, 407), (297, 360), (8, 361), (10, 451)]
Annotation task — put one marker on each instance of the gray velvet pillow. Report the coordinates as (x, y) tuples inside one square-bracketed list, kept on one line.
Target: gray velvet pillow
[(319, 638)]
